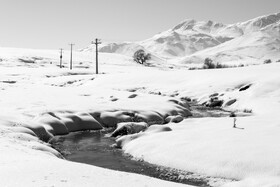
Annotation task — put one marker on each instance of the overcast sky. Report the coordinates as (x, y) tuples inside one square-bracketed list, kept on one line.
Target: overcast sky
[(52, 24)]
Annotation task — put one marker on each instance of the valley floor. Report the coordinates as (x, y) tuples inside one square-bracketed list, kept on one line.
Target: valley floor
[(39, 100)]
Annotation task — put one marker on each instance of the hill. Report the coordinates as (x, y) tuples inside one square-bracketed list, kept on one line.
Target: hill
[(192, 41)]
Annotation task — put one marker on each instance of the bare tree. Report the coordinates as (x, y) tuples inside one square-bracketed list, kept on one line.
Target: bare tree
[(141, 56)]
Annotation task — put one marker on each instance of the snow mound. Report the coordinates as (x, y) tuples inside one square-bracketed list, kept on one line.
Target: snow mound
[(123, 140), (129, 128)]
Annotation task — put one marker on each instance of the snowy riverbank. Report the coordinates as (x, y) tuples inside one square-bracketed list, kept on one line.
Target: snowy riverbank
[(39, 100)]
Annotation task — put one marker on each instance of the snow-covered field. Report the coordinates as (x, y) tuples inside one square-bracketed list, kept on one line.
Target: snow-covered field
[(40, 100)]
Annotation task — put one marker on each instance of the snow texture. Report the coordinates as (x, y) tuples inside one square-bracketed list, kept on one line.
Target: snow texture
[(39, 100)]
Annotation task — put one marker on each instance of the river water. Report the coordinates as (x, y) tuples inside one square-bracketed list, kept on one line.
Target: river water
[(95, 148)]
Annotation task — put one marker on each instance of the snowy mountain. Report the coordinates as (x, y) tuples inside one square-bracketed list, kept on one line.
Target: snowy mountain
[(260, 40), (192, 41), (127, 48), (186, 38)]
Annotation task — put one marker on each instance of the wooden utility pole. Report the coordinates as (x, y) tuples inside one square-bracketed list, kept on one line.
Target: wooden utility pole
[(234, 122), (60, 65), (71, 55), (97, 41)]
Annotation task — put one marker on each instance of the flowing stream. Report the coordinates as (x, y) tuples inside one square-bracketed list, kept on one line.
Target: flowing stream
[(95, 148)]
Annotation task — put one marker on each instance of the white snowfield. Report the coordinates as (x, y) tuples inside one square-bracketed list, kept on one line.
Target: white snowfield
[(39, 100)]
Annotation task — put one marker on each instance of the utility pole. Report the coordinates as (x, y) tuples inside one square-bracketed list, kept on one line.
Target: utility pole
[(60, 58), (97, 41), (71, 55)]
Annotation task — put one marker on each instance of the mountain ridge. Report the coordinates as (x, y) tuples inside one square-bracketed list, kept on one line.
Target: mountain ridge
[(192, 39)]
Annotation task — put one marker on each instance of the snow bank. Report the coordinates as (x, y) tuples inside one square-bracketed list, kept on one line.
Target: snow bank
[(24, 163), (39, 101), (213, 147)]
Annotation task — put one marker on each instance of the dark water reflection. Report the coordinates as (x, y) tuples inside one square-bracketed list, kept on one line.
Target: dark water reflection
[(95, 148)]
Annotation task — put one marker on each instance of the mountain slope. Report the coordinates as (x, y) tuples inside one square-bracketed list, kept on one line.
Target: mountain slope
[(260, 41), (127, 48), (191, 41)]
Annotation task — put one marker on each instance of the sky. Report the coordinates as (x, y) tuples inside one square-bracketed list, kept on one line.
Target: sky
[(53, 24)]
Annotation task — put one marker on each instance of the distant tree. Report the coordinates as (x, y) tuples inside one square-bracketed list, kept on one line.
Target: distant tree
[(141, 56), (218, 65), (208, 64), (267, 61)]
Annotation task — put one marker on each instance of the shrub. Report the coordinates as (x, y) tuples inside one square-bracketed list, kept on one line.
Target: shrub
[(247, 110), (232, 114), (193, 68), (267, 61), (218, 65), (208, 64)]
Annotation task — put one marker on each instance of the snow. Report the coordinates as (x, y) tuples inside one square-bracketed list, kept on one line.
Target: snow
[(24, 166), (191, 41), (211, 146), (39, 100)]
